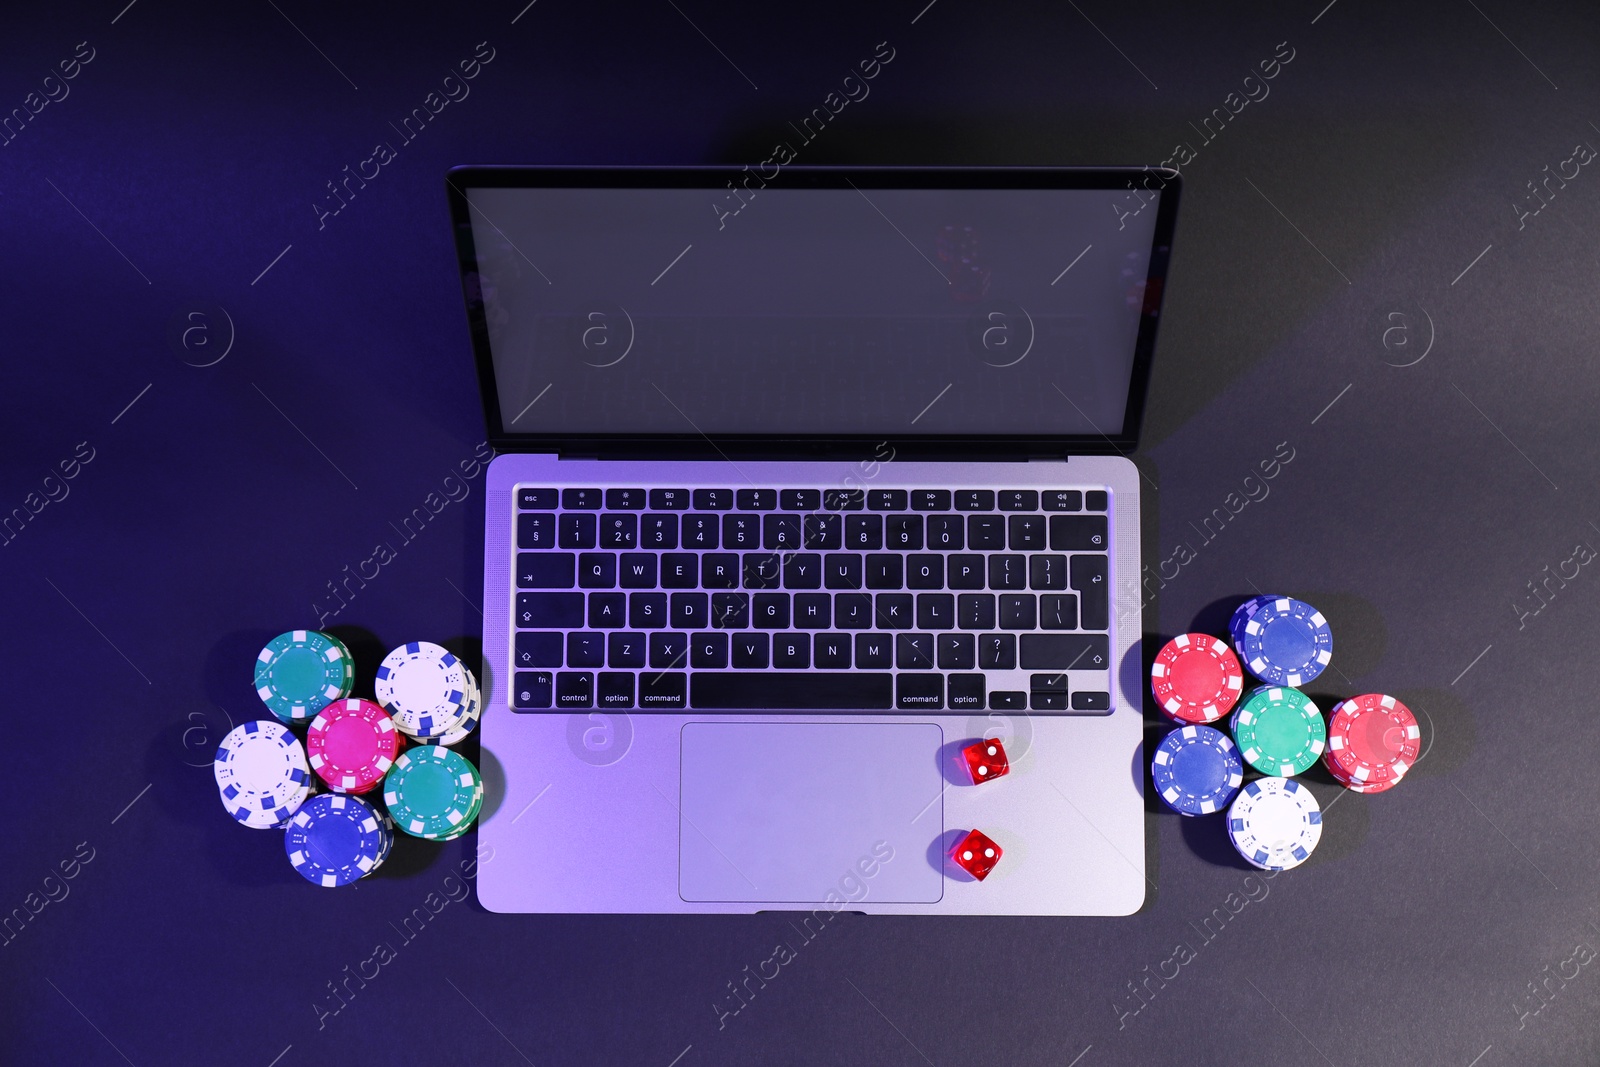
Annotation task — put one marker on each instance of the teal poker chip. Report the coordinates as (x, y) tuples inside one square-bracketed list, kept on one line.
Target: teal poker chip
[(301, 672)]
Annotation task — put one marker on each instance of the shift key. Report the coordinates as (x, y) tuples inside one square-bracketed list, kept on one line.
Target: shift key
[(1062, 652)]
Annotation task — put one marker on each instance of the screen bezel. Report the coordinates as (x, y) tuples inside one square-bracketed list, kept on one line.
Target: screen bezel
[(793, 446)]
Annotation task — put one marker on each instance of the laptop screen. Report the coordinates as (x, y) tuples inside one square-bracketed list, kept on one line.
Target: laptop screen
[(850, 309)]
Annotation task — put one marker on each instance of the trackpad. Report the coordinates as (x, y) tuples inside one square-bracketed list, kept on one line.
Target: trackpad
[(791, 812)]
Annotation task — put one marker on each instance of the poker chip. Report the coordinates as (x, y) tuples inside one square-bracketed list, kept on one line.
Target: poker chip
[(1284, 642), (1196, 678), (1197, 770), (1373, 739), (261, 774), (301, 672), (334, 840), (1275, 823), (1279, 731), (433, 792), (425, 688), (469, 721), (1243, 613), (351, 744)]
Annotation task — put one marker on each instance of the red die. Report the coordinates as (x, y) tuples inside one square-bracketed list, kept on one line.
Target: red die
[(986, 760), (977, 855)]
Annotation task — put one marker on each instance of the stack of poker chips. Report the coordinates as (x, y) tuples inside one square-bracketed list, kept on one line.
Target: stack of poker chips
[(335, 840), (433, 793), (351, 744), (1275, 823), (301, 672), (261, 774), (1373, 740), (431, 694)]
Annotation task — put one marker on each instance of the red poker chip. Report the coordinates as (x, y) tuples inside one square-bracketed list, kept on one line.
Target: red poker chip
[(351, 744), (1373, 739), (1196, 678), (1360, 787)]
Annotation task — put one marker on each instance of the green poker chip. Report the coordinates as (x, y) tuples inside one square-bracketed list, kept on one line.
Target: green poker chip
[(301, 672), (1279, 730), (433, 793)]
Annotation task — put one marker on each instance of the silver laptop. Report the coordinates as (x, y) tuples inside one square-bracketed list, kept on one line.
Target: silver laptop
[(806, 482)]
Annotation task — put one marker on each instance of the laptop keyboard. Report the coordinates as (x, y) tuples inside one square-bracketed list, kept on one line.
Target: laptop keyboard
[(869, 600)]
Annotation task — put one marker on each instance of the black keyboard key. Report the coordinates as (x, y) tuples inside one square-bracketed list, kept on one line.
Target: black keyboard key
[(844, 499), (1077, 533), (924, 572), (1008, 572), (625, 649), (647, 611), (580, 499), (638, 570), (997, 652), (946, 533), (800, 499), (824, 531), (913, 652), (813, 611), (1038, 701), (986, 532), (831, 651), (619, 530), (659, 531), (885, 572), (1008, 700), (965, 571), (1019, 500), (664, 690), (974, 500), (781, 532), (770, 611), (700, 531), (1090, 579), (852, 611), (762, 570), (975, 611), (874, 652), (669, 499), (536, 499), (538, 650), (577, 530), (1058, 611), (1018, 611), (802, 570), (597, 570), (751, 651), (1096, 500), (1061, 500), (1048, 683), (532, 690), (713, 499), (719, 570), (842, 571), (708, 650), (613, 690), (1027, 533), (608, 609), (936, 611), (741, 531), (930, 500), (793, 692), (903, 532), (574, 689), (625, 499), (680, 570), (549, 611), (965, 692), (1046, 571), (956, 652), (691, 611), (730, 611), (1060, 652), (1084, 700), (887, 499), (668, 651), (893, 611), (584, 648), (756, 499), (546, 570), (536, 530), (791, 651), (863, 533), (919, 692)]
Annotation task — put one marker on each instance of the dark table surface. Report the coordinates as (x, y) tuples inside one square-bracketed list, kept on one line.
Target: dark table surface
[(248, 392)]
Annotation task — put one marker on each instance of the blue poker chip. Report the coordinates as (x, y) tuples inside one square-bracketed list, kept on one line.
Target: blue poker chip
[(1197, 770), (1284, 642), (1242, 614), (335, 839)]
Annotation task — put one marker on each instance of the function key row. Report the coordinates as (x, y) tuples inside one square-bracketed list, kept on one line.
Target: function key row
[(533, 499)]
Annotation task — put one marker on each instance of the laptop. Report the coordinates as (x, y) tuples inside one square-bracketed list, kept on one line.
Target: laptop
[(806, 481)]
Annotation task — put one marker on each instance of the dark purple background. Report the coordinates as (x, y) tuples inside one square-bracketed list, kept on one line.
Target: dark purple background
[(1416, 509)]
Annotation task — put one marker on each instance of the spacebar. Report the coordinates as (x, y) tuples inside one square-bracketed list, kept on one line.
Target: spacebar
[(769, 691)]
